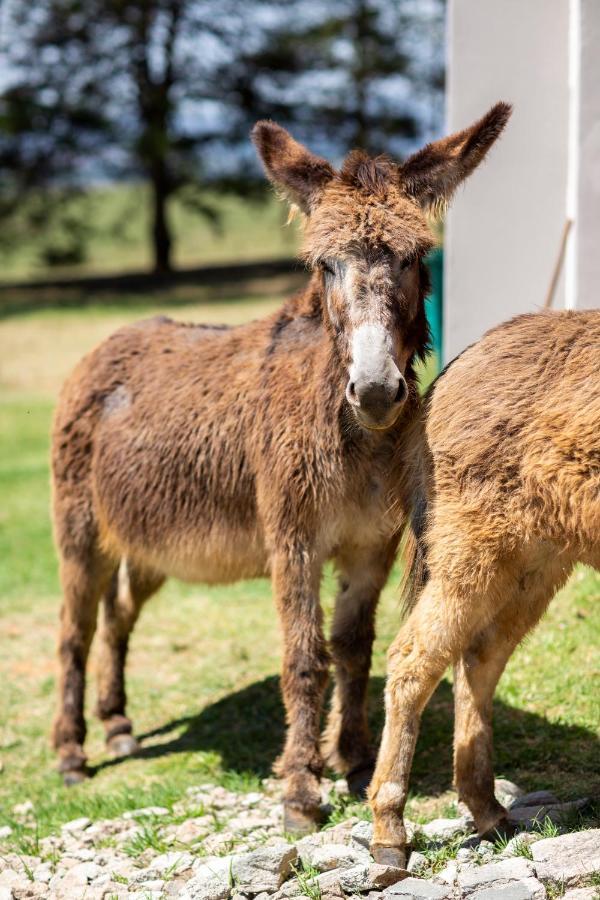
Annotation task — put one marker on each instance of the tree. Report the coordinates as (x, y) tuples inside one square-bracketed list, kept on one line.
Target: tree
[(168, 89), (100, 90)]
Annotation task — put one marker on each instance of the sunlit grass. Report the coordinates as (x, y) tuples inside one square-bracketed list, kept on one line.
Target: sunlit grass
[(202, 674)]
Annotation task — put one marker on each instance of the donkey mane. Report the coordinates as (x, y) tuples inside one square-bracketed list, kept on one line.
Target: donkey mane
[(372, 174)]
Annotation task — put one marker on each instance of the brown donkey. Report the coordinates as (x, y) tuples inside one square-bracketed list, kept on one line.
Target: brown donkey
[(509, 500), (214, 454)]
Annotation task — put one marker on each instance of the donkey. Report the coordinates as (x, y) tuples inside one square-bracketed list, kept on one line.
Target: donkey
[(215, 454), (508, 500)]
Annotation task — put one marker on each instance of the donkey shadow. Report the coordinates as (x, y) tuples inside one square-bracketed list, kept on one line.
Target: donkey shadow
[(247, 729)]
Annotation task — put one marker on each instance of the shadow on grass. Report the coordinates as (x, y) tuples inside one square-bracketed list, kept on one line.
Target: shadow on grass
[(247, 730)]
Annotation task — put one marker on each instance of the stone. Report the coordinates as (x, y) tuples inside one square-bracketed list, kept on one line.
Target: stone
[(416, 888), (210, 881), (525, 889), (448, 874), (417, 862), (516, 843), (495, 874), (367, 878), (173, 862), (23, 809), (5, 831), (507, 791), (445, 829), (569, 858), (589, 893), (335, 856), (362, 834), (340, 787), (146, 812), (43, 873), (6, 893), (527, 816), (154, 884), (264, 869), (76, 825), (536, 798)]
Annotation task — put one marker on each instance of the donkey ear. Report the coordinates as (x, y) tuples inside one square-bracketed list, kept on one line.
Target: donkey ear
[(291, 167), (432, 174)]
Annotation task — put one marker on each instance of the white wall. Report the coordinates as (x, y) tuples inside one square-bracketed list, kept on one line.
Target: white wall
[(504, 229), (587, 164)]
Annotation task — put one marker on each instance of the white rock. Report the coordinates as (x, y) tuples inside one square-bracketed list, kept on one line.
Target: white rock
[(496, 874), (5, 831), (173, 861), (507, 791), (340, 787), (445, 829), (568, 858), (82, 873), (524, 889), (6, 893), (516, 843), (264, 869), (23, 810), (146, 812), (367, 878), (76, 825), (448, 874), (417, 862), (589, 893), (362, 834), (43, 873), (419, 888), (210, 881), (335, 856)]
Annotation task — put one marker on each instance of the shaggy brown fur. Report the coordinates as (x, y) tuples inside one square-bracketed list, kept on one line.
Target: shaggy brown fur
[(511, 480), (217, 454)]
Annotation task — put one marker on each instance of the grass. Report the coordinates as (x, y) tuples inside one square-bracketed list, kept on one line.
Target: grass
[(120, 216), (202, 676)]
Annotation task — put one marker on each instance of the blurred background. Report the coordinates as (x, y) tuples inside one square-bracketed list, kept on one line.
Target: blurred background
[(124, 126), (129, 187)]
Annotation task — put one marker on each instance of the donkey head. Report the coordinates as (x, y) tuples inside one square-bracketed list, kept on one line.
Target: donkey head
[(366, 231)]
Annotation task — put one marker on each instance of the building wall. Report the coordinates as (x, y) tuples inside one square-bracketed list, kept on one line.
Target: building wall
[(504, 229)]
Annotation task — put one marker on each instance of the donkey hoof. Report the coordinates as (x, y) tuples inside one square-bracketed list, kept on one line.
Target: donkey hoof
[(390, 856), (298, 821), (359, 779), (122, 745)]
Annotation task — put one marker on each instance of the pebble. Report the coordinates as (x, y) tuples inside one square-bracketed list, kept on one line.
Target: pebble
[(230, 846)]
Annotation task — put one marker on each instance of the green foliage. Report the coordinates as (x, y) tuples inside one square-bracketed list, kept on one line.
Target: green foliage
[(307, 879)]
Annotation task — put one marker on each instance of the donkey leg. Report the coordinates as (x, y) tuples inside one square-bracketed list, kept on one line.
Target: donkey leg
[(432, 636), (476, 675), (83, 582), (122, 603), (347, 745), (304, 678)]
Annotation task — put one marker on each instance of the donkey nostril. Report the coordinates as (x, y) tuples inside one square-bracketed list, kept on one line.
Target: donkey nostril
[(402, 391), (351, 392)]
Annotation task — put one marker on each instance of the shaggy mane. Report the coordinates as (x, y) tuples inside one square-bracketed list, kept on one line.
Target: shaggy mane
[(371, 174)]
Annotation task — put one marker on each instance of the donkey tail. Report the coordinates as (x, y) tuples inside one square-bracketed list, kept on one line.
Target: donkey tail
[(413, 554)]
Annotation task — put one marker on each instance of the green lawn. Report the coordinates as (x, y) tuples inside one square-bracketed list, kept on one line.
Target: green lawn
[(203, 683), (121, 225)]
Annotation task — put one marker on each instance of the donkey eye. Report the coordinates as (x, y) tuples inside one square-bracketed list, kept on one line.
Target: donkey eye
[(327, 268)]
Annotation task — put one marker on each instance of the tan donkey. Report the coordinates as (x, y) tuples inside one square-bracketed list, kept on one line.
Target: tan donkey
[(509, 501), (215, 454)]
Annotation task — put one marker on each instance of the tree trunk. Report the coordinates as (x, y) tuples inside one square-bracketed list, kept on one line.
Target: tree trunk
[(161, 231)]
